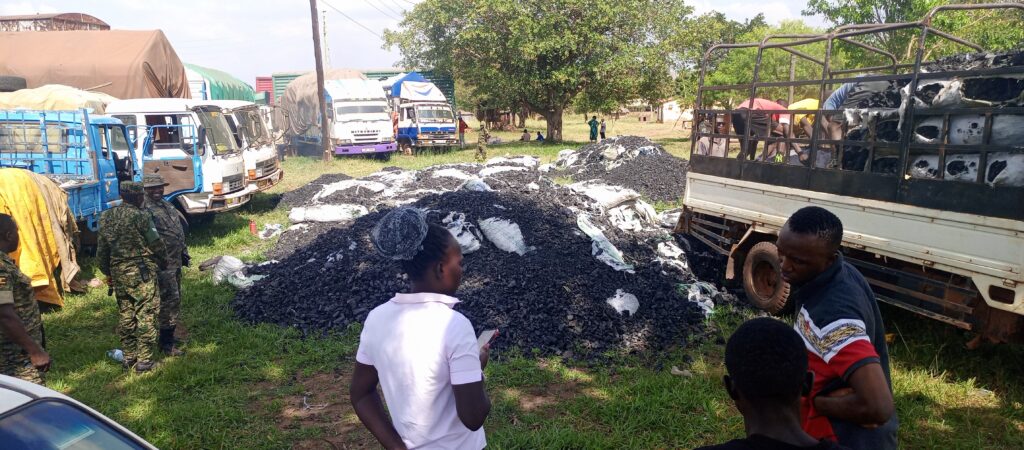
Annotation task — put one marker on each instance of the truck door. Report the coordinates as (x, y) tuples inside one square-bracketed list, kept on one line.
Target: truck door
[(179, 169)]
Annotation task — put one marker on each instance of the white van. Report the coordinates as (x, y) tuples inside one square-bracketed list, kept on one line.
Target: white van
[(262, 166), (193, 149)]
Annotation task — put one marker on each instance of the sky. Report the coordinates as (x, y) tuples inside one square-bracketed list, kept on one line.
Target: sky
[(249, 38)]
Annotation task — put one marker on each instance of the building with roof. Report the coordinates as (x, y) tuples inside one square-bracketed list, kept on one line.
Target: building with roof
[(52, 22)]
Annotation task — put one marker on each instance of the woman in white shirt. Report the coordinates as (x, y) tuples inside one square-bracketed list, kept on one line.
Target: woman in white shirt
[(423, 354)]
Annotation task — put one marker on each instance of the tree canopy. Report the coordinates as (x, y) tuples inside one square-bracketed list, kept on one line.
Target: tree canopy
[(548, 53)]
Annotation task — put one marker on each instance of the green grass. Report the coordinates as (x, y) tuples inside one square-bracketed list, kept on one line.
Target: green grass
[(233, 386)]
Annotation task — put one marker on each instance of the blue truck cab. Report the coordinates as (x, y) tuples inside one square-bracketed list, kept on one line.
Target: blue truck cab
[(87, 155)]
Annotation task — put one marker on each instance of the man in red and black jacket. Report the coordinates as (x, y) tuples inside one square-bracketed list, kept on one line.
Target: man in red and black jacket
[(851, 400)]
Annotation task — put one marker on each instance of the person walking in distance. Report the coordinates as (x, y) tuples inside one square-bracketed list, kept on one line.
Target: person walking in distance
[(593, 128), (851, 400), (130, 253), (481, 143), (21, 341), (422, 353), (171, 225), (603, 129), (463, 126)]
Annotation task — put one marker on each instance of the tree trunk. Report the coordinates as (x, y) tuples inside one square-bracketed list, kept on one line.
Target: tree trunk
[(554, 120), (523, 112)]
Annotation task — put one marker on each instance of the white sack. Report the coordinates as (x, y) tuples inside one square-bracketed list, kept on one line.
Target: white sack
[(463, 231), (505, 235), (601, 248), (326, 213), (624, 301)]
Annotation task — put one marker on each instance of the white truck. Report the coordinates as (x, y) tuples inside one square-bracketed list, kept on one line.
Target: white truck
[(425, 118), (946, 244), (209, 180), (262, 165)]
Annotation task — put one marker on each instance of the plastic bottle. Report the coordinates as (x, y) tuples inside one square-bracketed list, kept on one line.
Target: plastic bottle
[(116, 354)]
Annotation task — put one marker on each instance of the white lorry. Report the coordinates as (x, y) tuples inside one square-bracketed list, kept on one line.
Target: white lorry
[(211, 179), (425, 118), (945, 244), (262, 165)]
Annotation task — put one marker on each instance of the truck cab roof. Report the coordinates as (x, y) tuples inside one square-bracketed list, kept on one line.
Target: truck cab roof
[(156, 105)]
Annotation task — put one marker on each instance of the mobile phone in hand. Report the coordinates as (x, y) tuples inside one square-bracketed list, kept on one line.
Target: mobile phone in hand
[(486, 337)]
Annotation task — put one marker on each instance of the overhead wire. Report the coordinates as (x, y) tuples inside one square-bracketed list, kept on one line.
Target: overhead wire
[(368, 29), (381, 10)]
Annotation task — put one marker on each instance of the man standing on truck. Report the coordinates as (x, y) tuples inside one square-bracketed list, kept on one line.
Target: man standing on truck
[(761, 123), (21, 350), (170, 224), (851, 400), (130, 253)]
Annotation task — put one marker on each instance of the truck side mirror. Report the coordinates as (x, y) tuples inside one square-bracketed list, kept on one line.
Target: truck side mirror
[(202, 140)]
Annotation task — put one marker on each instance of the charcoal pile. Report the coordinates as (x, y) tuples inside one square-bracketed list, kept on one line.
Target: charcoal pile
[(630, 161), (304, 194), (587, 270)]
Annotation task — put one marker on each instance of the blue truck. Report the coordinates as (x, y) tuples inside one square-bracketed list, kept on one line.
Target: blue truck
[(87, 155)]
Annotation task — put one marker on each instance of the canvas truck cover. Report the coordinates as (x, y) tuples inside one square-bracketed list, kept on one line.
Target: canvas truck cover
[(219, 85), (354, 89), (124, 64), (299, 106), (55, 97), (419, 91)]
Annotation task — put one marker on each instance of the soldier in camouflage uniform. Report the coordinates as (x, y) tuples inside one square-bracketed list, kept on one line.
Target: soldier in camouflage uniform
[(130, 253), (481, 143), (170, 224), (21, 327)]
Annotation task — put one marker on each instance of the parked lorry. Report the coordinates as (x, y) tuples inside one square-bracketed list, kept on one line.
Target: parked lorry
[(262, 165), (87, 155), (192, 149), (425, 118), (205, 83), (933, 212), (357, 112)]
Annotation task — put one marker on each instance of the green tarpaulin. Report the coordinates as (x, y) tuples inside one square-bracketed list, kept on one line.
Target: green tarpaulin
[(218, 85)]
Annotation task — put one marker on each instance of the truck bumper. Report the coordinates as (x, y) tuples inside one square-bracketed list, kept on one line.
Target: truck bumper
[(268, 181), (436, 142), (206, 202), (356, 149)]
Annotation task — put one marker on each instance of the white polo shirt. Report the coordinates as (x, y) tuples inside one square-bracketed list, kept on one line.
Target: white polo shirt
[(420, 348)]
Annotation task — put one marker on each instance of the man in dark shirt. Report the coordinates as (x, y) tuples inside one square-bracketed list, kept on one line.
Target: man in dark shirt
[(767, 367), (851, 400)]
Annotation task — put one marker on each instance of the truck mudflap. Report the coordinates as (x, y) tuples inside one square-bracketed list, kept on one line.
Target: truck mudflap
[(268, 181), (365, 149), (206, 202)]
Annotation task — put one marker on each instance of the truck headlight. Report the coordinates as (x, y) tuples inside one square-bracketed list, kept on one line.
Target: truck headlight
[(344, 141)]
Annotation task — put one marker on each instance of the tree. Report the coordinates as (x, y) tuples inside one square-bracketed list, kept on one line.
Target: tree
[(845, 12), (548, 54), (707, 30)]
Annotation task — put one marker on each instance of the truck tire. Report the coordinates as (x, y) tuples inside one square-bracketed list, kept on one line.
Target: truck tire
[(11, 83), (762, 278)]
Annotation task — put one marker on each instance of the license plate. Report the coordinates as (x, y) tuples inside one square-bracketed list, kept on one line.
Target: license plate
[(368, 150)]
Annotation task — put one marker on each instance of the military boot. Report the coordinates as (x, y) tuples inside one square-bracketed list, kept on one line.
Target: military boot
[(144, 366), (167, 342)]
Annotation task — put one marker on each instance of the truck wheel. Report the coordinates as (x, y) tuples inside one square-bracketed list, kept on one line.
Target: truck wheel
[(762, 278), (11, 83)]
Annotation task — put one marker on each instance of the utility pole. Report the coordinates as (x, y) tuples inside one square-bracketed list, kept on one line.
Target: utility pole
[(325, 141), (323, 39)]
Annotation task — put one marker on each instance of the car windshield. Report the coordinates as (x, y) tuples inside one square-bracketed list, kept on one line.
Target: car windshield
[(437, 113), (56, 424), (218, 133)]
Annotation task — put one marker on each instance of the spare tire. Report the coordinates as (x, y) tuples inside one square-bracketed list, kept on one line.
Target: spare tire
[(762, 278), (12, 83)]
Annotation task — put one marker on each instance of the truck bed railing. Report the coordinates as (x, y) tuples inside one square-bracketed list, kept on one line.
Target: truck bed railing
[(887, 159), (54, 143)]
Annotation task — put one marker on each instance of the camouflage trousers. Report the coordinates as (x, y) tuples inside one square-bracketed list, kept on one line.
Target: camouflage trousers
[(15, 363), (137, 302), (481, 152), (170, 297)]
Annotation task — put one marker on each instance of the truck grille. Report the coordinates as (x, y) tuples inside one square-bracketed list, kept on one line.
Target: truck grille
[(268, 166), (233, 183)]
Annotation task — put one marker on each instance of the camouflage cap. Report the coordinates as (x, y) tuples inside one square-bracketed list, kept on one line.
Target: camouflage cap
[(153, 180), (131, 187)]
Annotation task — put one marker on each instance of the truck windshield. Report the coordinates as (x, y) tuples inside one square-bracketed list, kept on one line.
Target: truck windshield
[(435, 113), (118, 143), (218, 133), (361, 109)]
